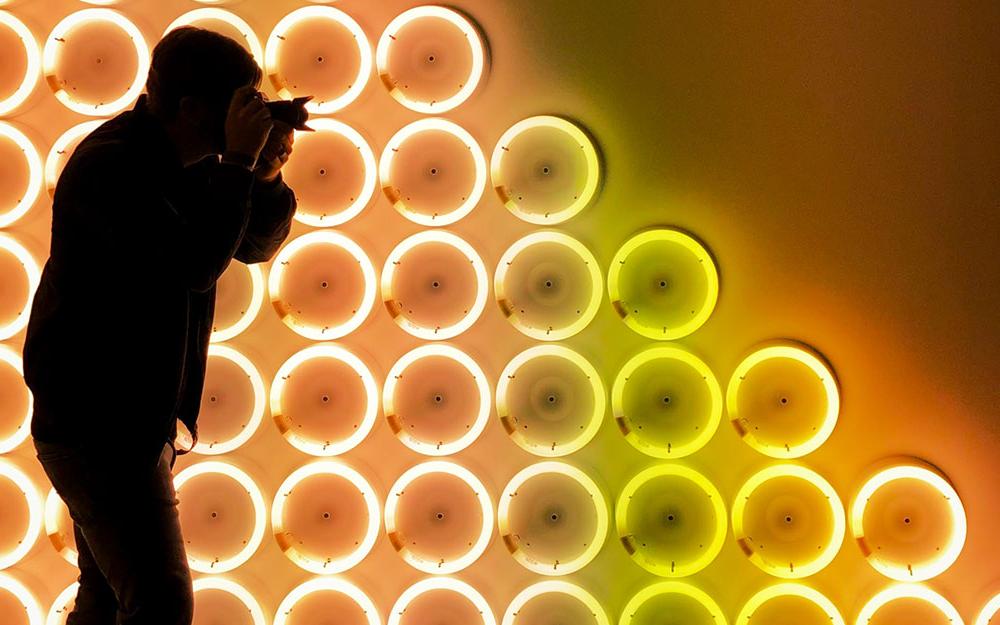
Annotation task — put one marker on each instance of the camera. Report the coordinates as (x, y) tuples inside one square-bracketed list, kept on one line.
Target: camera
[(292, 112)]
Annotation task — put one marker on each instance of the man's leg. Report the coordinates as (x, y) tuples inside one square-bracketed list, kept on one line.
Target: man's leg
[(95, 601)]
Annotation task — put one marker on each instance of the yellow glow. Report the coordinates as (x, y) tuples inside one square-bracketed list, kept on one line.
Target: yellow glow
[(59, 148), (555, 586), (440, 583), (238, 591), (10, 245), (34, 501), (259, 507), (600, 507), (13, 359), (500, 184), (223, 16), (482, 283), (34, 173), (335, 352), (482, 385), (672, 588), (49, 54), (429, 124), (325, 566), (326, 583), (991, 609), (924, 570), (32, 66), (274, 42), (908, 591), (475, 46), (825, 376), (53, 510), (32, 610), (485, 505), (62, 605), (256, 300), (789, 589)]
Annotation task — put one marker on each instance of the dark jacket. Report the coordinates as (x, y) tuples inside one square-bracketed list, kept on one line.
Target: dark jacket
[(118, 336)]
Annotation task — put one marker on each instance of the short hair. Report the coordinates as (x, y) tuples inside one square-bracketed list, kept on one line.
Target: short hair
[(192, 61)]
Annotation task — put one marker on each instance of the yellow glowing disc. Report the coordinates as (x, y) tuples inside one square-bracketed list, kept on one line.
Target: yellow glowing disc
[(686, 603), (903, 592), (793, 602)]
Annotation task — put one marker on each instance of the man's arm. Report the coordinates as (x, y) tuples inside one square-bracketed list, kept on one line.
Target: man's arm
[(272, 207)]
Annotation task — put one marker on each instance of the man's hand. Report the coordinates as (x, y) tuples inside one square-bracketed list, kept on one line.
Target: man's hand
[(248, 122), (275, 152)]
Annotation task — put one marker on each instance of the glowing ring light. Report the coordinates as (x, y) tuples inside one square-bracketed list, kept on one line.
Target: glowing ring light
[(699, 481), (256, 415), (34, 172), (10, 245), (690, 245), (594, 421), (485, 505), (482, 385), (327, 583), (908, 591), (236, 590), (475, 46), (32, 66), (221, 15), (35, 513), (22, 594), (368, 186), (60, 607), (326, 448), (424, 125), (53, 508), (948, 554), (554, 586), (501, 185), (256, 301), (990, 610), (789, 589), (671, 588), (325, 237), (325, 467), (439, 583), (581, 478), (62, 29), (364, 49), (815, 364), (21, 434), (59, 148), (260, 513), (447, 238)]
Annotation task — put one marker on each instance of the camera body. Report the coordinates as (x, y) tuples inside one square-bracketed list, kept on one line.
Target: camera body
[(292, 112)]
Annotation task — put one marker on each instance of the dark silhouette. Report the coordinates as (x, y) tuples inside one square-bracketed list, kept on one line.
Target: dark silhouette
[(146, 216)]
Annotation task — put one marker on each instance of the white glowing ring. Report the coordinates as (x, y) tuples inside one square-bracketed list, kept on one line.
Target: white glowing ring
[(62, 29), (31, 67), (327, 237), (789, 589), (475, 45), (325, 467), (991, 609), (53, 503), (424, 125), (60, 607), (485, 505), (440, 583), (259, 403), (323, 124), (908, 591), (482, 282), (34, 173), (223, 16), (325, 350), (256, 301), (327, 583), (581, 478), (590, 154), (672, 588), (825, 556), (30, 265), (22, 594), (236, 590), (274, 41), (59, 147), (12, 358), (947, 556), (32, 496), (555, 586), (600, 398), (259, 507)]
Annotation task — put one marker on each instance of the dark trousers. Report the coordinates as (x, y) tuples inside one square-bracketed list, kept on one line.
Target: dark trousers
[(133, 567)]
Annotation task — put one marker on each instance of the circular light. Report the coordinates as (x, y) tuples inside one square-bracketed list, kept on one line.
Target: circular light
[(581, 604), (400, 310), (32, 63), (427, 170), (542, 304), (33, 500), (57, 38), (250, 310), (286, 420), (23, 596), (990, 610), (667, 402), (56, 514), (63, 148), (400, 541), (280, 34), (63, 604), (10, 245), (239, 592), (230, 19), (881, 559), (559, 415), (412, 594), (546, 521), (663, 284), (898, 592), (257, 500), (327, 584), (673, 521), (285, 308), (788, 520), (11, 439), (34, 165), (764, 602), (545, 169), (441, 387), (783, 400), (690, 603)]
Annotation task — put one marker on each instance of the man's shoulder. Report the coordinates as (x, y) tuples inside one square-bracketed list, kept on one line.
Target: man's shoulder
[(108, 151)]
